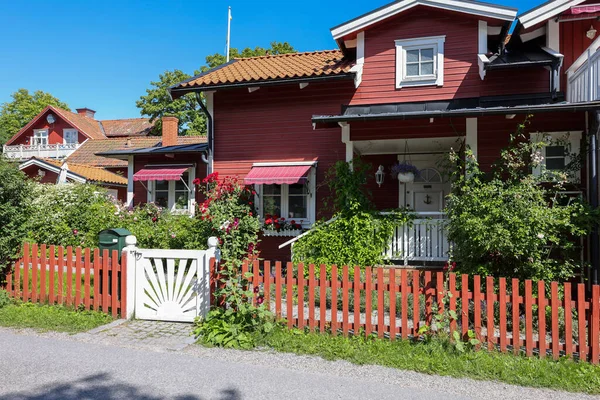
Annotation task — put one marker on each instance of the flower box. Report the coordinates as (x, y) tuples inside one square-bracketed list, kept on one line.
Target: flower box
[(406, 177), (286, 232)]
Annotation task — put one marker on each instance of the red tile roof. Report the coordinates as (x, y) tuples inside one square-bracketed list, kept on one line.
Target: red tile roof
[(126, 127), (276, 67)]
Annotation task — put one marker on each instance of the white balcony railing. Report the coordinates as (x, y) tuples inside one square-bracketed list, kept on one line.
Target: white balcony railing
[(23, 152), (425, 240), (584, 76)]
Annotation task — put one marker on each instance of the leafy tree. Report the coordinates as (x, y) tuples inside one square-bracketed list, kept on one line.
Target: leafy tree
[(23, 108), (14, 200), (157, 103), (192, 121)]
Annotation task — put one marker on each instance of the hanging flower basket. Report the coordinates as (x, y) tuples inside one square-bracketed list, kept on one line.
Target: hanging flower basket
[(406, 177), (405, 172)]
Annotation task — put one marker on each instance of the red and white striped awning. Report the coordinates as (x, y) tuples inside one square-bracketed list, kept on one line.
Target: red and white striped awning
[(278, 175), (159, 174), (585, 9)]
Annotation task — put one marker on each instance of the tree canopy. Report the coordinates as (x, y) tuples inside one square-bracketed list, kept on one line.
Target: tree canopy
[(157, 103), (23, 108)]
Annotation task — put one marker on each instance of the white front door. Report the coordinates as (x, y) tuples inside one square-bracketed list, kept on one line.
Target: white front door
[(426, 194)]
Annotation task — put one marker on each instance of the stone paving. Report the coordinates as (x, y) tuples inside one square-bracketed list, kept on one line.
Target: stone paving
[(154, 335)]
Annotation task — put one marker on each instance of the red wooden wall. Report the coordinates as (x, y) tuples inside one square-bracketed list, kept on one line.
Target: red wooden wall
[(461, 73), (573, 42)]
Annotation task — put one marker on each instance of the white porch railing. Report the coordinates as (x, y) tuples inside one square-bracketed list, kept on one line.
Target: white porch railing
[(425, 240), (23, 152), (584, 76)]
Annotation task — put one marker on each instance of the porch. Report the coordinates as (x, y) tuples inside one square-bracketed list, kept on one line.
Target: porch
[(422, 135)]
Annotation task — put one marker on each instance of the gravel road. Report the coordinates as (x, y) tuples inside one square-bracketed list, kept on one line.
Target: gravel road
[(59, 366)]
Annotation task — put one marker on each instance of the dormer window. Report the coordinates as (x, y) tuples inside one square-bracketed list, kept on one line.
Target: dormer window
[(420, 62), (70, 136)]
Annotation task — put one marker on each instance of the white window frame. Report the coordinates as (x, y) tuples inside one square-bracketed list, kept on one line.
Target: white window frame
[(311, 185), (70, 131), (40, 134), (574, 141), (171, 200), (434, 42)]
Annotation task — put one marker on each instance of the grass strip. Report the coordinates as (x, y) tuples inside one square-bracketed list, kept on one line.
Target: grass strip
[(51, 318), (441, 358)]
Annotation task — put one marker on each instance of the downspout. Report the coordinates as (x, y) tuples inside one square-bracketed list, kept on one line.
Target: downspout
[(595, 251), (209, 133)]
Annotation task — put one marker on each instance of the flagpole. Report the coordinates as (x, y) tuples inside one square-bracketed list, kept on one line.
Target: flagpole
[(228, 31)]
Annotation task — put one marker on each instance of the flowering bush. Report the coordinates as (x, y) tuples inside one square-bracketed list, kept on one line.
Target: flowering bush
[(275, 223), (507, 223), (404, 168), (228, 214), (73, 215)]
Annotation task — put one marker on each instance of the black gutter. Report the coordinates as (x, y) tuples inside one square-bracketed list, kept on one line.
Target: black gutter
[(477, 112), (544, 63), (210, 128), (595, 251), (190, 89)]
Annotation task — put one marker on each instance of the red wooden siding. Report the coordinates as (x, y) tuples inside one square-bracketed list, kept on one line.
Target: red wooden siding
[(408, 129), (386, 196), (573, 42), (273, 124), (461, 74), (55, 130)]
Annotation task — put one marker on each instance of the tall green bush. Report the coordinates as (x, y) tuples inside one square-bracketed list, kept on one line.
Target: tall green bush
[(511, 222), (14, 211)]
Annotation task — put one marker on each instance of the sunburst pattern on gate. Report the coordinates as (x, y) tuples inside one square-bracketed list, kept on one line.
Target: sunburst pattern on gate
[(168, 289)]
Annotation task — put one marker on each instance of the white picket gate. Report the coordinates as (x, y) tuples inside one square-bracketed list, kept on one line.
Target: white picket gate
[(169, 285)]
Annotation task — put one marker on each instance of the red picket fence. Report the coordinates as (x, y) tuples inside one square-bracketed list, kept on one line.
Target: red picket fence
[(396, 303), (71, 277)]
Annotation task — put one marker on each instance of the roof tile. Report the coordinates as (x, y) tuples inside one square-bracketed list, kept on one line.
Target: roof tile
[(282, 66)]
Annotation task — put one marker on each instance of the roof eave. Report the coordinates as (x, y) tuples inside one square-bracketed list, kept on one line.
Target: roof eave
[(545, 11), (568, 107), (178, 92), (468, 7)]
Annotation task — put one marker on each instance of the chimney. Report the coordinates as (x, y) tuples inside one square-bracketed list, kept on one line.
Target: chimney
[(86, 112), (170, 128)]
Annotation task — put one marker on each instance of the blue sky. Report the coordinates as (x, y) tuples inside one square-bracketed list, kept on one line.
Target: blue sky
[(103, 55)]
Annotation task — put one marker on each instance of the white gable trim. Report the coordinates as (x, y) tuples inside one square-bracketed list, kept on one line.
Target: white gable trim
[(546, 11), (53, 168), (479, 9)]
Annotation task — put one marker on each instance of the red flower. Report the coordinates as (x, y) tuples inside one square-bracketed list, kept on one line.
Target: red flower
[(260, 300), (275, 217), (196, 181), (281, 219), (154, 219), (250, 213), (268, 216), (293, 222), (256, 289), (268, 221), (254, 193), (75, 232), (277, 226), (250, 203)]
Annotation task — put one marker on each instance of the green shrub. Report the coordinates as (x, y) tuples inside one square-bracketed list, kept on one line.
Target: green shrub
[(357, 234), (510, 222), (4, 298), (14, 204)]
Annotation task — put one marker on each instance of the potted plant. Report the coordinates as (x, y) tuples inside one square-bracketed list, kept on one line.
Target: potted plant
[(405, 172)]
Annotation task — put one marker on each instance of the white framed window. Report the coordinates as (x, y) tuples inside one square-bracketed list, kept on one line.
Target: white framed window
[(558, 153), (293, 202), (420, 62), (70, 136), (176, 196), (40, 137)]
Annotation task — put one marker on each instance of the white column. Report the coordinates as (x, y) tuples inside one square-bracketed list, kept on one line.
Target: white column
[(130, 252), (483, 36), (346, 140), (471, 139), (130, 181), (210, 253), (553, 42)]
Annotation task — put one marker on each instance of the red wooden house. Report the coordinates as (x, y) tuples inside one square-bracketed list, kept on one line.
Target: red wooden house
[(409, 81)]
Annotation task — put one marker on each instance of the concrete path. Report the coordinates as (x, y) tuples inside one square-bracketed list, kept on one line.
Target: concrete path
[(154, 360), (35, 368)]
